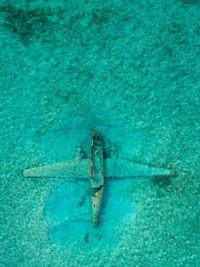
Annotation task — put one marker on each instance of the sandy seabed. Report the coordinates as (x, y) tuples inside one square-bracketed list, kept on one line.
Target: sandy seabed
[(130, 69)]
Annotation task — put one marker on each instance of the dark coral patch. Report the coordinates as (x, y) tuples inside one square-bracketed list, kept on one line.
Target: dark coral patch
[(162, 181), (29, 24), (189, 1), (100, 15), (26, 23)]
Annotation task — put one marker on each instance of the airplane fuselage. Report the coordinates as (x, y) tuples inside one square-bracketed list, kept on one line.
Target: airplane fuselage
[(97, 179), (78, 169)]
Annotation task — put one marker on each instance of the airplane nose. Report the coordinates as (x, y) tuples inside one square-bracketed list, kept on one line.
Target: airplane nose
[(96, 138)]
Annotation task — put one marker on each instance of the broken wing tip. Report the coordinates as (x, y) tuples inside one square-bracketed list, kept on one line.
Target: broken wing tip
[(27, 173), (169, 172), (24, 172)]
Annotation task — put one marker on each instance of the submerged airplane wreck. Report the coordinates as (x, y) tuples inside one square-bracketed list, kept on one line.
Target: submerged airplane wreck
[(96, 170)]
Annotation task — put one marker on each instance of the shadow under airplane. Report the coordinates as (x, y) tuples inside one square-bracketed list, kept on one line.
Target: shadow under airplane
[(96, 170)]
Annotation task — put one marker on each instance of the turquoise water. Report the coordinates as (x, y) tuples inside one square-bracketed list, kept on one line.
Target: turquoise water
[(130, 69)]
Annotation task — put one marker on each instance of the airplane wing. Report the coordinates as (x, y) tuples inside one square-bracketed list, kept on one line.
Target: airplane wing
[(71, 169), (125, 168)]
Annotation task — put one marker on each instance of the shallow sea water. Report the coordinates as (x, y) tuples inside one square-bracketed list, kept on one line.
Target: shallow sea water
[(129, 69)]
